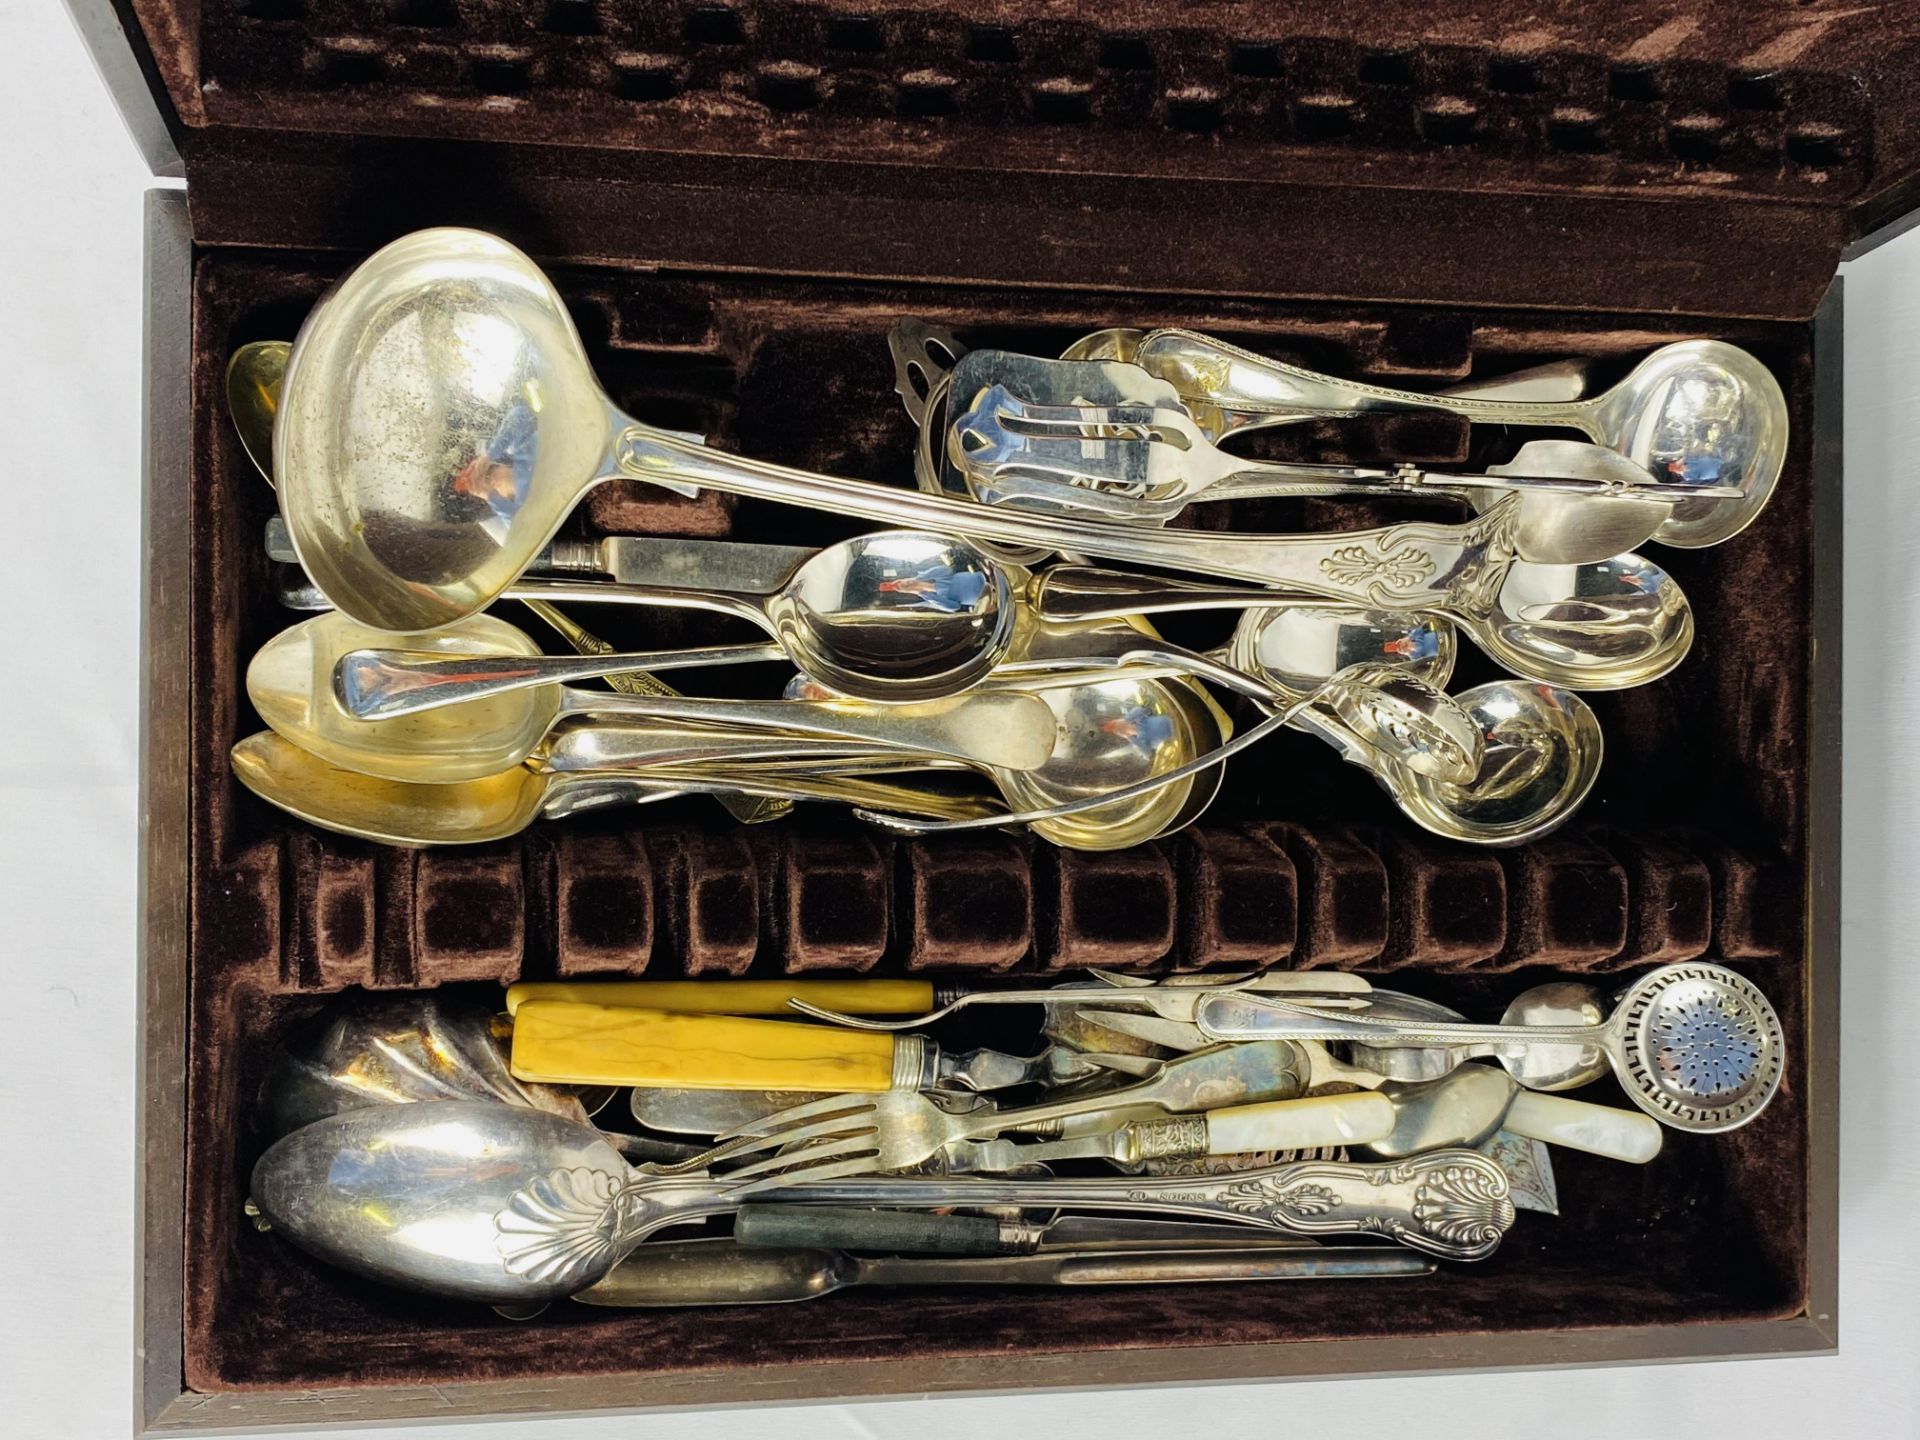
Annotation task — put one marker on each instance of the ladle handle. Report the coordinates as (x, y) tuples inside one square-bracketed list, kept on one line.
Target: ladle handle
[(1084, 592), (1450, 1203), (1297, 1022), (382, 684), (1436, 567), (1215, 373)]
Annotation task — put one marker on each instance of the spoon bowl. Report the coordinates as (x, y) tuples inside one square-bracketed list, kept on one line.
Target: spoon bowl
[(1299, 648), (446, 343), (254, 376), (1541, 749), (1701, 412), (290, 682), (1607, 626), (391, 812), (1556, 1067)]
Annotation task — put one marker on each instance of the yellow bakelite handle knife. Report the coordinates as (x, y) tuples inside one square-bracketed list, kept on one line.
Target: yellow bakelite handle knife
[(736, 997), (565, 1042)]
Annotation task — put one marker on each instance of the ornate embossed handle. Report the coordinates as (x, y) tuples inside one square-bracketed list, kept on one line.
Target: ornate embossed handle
[(1449, 1203), (1450, 568)]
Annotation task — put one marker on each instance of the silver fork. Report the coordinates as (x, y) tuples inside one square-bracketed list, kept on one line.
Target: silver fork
[(846, 1135)]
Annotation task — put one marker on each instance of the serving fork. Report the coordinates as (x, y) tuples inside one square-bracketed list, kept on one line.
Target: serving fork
[(859, 1134), (1144, 464)]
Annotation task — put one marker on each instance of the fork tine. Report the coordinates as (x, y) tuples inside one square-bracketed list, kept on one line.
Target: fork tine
[(812, 1175), (831, 1127), (865, 1143), (850, 1104)]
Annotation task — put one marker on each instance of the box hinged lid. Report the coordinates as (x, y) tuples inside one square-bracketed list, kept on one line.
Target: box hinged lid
[(1640, 156)]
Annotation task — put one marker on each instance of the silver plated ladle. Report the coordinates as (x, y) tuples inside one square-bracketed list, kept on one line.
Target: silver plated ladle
[(423, 498)]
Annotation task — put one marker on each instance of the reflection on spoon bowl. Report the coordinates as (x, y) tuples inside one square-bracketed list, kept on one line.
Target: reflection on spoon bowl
[(1541, 752), (1606, 626)]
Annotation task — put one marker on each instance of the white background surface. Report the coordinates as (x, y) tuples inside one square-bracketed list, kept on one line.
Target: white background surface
[(70, 297)]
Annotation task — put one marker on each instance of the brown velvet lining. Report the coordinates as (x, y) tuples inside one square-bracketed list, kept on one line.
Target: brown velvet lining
[(1687, 847)]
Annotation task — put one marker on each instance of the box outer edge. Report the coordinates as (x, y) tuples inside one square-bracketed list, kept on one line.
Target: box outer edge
[(118, 48), (830, 1383), (1824, 858), (164, 1407), (163, 893)]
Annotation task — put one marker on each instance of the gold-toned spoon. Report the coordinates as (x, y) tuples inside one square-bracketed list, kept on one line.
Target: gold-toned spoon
[(472, 812)]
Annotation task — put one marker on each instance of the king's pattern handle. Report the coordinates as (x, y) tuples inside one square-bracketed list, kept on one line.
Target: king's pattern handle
[(1450, 1203)]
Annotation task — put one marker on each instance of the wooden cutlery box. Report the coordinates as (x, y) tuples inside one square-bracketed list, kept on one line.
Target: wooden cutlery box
[(737, 201)]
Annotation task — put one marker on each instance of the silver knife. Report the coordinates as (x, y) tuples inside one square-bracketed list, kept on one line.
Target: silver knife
[(902, 1232), (642, 560)]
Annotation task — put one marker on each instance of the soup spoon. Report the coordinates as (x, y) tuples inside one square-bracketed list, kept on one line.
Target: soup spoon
[(1698, 412), (1606, 626), (924, 357), (1540, 754), (290, 682), (439, 419), (1110, 734), (895, 615), (1388, 704)]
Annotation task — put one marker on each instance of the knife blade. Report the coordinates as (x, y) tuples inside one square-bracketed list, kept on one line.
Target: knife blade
[(902, 1232), (1529, 1167), (642, 560)]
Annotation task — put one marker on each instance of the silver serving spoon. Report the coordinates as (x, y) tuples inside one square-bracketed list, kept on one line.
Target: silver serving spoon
[(290, 684), (426, 497), (1367, 682), (410, 1049), (1608, 626), (895, 615), (1695, 1045), (501, 1205), (1109, 735), (1699, 412)]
